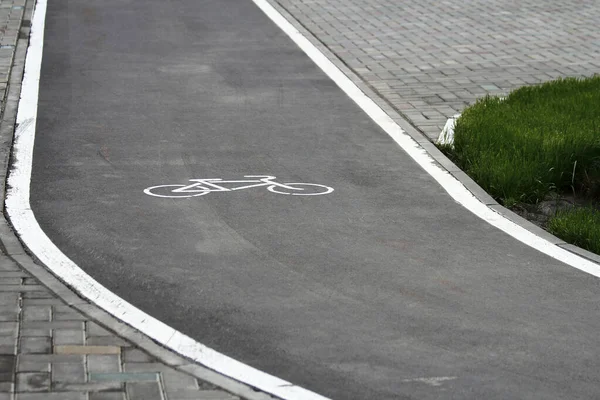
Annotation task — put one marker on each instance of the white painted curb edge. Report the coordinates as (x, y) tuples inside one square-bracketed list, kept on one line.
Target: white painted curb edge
[(27, 227), (452, 185)]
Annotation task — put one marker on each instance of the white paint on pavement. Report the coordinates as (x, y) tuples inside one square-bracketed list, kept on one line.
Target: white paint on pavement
[(27, 227), (200, 187), (452, 185)]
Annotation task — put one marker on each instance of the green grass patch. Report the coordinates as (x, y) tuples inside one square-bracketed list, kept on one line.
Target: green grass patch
[(578, 226), (538, 140)]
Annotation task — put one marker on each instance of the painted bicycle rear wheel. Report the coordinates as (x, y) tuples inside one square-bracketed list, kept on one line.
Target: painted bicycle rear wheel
[(167, 191)]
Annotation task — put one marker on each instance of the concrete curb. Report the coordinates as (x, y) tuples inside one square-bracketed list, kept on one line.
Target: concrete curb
[(12, 247), (429, 146)]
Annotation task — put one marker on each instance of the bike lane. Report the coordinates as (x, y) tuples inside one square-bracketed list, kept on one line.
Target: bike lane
[(384, 288)]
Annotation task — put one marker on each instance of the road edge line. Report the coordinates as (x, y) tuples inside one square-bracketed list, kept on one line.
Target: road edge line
[(426, 142), (417, 151), (20, 214)]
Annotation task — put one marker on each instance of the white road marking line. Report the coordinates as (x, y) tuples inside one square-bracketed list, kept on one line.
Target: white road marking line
[(27, 227), (24, 222), (452, 185)]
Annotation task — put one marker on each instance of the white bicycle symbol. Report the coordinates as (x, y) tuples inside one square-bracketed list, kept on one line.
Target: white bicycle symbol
[(200, 187)]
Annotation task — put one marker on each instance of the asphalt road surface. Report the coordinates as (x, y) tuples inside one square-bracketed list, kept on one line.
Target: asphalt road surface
[(382, 289)]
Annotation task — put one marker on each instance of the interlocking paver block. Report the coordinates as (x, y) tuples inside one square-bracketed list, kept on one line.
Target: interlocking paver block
[(52, 358), (68, 337), (9, 299), (88, 387), (108, 396), (177, 380), (21, 288), (33, 366), (144, 391), (68, 373), (35, 344), (131, 355), (93, 329), (7, 365), (98, 363), (10, 280), (124, 377), (9, 314), (33, 382), (171, 378), (66, 313), (87, 350), (215, 395), (7, 387), (8, 340), (45, 302), (36, 313), (51, 396), (200, 395), (30, 281), (8, 349), (36, 332), (41, 293), (53, 324), (106, 341), (6, 264)]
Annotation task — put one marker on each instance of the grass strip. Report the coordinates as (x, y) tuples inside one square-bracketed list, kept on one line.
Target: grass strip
[(579, 226), (538, 140)]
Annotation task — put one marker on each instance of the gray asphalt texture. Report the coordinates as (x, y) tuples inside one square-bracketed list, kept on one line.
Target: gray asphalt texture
[(358, 294)]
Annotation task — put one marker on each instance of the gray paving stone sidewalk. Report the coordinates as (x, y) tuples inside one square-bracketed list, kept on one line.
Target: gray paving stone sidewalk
[(11, 17), (48, 350), (428, 59)]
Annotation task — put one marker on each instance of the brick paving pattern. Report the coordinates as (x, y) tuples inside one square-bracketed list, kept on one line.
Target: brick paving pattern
[(429, 58), (48, 351), (11, 17)]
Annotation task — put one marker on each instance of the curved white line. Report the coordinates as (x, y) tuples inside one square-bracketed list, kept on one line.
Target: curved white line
[(27, 227), (452, 185)]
